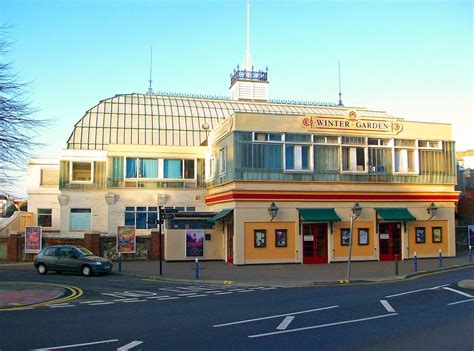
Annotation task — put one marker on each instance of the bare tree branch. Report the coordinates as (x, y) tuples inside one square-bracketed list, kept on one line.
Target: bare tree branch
[(18, 124)]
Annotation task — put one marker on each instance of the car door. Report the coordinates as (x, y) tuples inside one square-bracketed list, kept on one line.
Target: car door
[(50, 257), (68, 260)]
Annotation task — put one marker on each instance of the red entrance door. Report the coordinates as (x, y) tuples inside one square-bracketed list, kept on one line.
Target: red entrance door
[(390, 241), (230, 242), (315, 243)]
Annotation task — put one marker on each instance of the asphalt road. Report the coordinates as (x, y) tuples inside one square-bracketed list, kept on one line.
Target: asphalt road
[(119, 313)]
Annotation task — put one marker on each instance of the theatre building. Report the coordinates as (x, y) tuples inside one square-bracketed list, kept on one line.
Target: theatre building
[(268, 181)]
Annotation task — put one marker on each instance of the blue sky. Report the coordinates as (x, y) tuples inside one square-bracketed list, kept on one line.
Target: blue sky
[(410, 58)]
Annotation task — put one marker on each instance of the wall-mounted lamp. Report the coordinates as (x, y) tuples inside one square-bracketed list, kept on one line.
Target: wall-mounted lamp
[(356, 210), (273, 210), (432, 210)]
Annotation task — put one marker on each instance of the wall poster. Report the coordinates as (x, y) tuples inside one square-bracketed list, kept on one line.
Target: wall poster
[(126, 239), (33, 239), (194, 242)]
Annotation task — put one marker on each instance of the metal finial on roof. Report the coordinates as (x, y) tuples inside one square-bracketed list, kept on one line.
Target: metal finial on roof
[(150, 89), (340, 94)]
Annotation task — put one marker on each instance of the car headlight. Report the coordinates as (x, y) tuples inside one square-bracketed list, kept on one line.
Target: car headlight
[(97, 263)]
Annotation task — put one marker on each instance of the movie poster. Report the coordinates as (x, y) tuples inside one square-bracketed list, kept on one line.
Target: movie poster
[(194, 243), (126, 239), (33, 239)]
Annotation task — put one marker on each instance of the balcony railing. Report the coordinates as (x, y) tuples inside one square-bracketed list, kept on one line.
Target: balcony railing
[(259, 76)]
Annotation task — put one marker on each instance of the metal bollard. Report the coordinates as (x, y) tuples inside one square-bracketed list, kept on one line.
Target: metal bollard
[(396, 264), (415, 263), (119, 262), (440, 259), (470, 253), (196, 268)]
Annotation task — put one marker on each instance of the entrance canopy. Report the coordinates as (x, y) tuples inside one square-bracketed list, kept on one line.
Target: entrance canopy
[(395, 214), (220, 215), (319, 215)]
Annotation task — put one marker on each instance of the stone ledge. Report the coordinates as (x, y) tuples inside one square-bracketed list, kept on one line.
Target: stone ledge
[(466, 284)]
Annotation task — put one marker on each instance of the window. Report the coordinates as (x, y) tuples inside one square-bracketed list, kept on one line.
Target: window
[(281, 236), (45, 217), (172, 169), (363, 236), (380, 142), (429, 144), (297, 157), (380, 160), (189, 169), (141, 217), (353, 159), (437, 235), (405, 160), (222, 160), (298, 138), (420, 234), (49, 177), (147, 168), (81, 171), (267, 137), (50, 252), (345, 236), (175, 223), (80, 219), (325, 139), (260, 238)]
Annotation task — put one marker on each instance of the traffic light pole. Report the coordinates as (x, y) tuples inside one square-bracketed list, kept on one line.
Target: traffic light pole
[(161, 240)]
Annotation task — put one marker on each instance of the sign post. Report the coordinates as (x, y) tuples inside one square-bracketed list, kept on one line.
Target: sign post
[(126, 242)]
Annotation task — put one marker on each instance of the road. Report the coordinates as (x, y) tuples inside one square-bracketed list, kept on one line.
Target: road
[(119, 312)]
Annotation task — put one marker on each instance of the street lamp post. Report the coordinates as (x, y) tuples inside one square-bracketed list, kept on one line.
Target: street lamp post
[(356, 210)]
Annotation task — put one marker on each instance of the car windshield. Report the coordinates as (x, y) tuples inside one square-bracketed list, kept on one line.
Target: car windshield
[(83, 251)]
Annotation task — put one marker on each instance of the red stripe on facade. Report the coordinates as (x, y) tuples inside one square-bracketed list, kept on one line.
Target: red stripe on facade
[(333, 197)]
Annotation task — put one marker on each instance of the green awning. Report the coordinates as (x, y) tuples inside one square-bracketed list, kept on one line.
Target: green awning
[(220, 215), (395, 214), (319, 215)]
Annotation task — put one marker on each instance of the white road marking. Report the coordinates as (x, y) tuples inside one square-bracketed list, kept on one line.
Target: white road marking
[(129, 345), (459, 292), (224, 293), (62, 306), (415, 291), (76, 345), (245, 291), (285, 323), (101, 303), (276, 316), (198, 295), (187, 294), (268, 289), (125, 300), (212, 291), (387, 306), (93, 301), (168, 298), (323, 325), (462, 301), (131, 301), (157, 297)]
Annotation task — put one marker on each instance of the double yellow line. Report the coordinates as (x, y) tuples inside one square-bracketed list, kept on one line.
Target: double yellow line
[(72, 293)]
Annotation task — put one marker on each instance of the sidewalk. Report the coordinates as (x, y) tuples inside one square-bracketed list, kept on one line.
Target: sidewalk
[(287, 274)]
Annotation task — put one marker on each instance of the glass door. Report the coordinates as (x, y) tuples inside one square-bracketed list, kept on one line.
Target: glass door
[(315, 242), (390, 241)]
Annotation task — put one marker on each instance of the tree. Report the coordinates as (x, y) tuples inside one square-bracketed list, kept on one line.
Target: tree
[(24, 206), (10, 210), (18, 124)]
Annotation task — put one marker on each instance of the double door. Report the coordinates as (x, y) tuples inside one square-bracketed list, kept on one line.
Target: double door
[(390, 241), (315, 242)]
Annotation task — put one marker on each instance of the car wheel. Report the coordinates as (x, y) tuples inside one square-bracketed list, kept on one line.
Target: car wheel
[(86, 271), (41, 269)]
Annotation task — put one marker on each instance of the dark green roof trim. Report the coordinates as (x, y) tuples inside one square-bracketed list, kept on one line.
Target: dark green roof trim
[(220, 215), (319, 215), (395, 214)]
